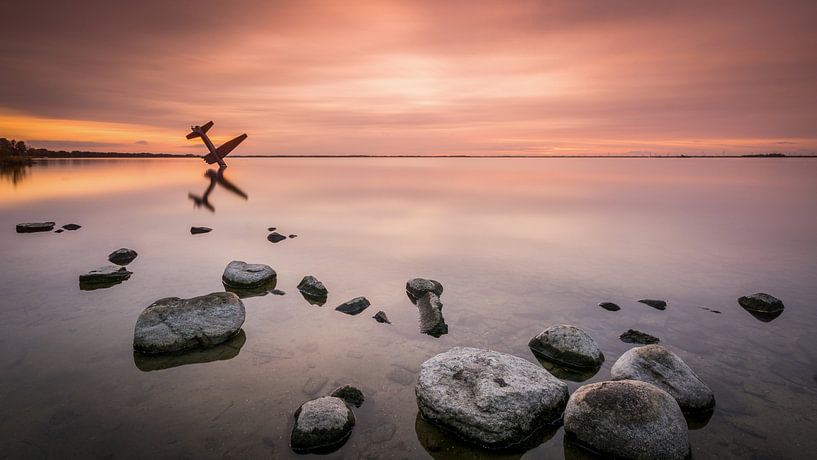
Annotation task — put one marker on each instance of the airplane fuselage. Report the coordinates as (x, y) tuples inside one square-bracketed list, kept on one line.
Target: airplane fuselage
[(209, 144)]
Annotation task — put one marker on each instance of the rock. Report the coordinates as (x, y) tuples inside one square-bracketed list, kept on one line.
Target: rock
[(627, 419), (656, 365), (417, 287), (239, 274), (275, 237), (72, 227), (173, 324), (354, 306), (106, 276), (292, 235), (350, 394), (271, 229), (659, 304), (486, 397), (31, 227), (122, 256), (761, 303), (431, 315), (609, 306), (381, 317), (567, 345), (59, 230), (198, 230), (322, 423), (277, 292), (634, 336), (312, 287)]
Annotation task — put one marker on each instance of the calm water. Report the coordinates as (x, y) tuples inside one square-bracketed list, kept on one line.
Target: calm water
[(520, 244)]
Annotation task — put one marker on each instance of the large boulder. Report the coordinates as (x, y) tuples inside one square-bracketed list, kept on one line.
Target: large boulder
[(122, 256), (173, 324), (312, 287), (239, 274), (486, 397), (431, 315), (417, 287), (656, 365), (627, 419), (32, 227), (567, 345), (354, 306), (321, 424), (106, 276)]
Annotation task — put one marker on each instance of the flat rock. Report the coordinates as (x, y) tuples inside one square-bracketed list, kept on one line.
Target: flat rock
[(292, 235), (275, 237), (627, 419), (567, 345), (354, 306), (609, 306), (174, 324), (432, 321), (198, 230), (122, 256), (312, 287), (277, 292), (656, 365), (72, 227), (634, 336), (32, 227), (381, 317), (109, 274), (761, 303), (240, 274), (488, 398), (658, 304), (352, 395), (321, 424), (417, 287), (59, 230)]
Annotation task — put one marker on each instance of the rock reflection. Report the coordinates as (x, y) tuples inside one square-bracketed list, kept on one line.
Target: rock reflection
[(221, 352), (442, 445), (431, 315), (574, 450), (764, 316), (698, 420), (259, 291), (314, 300), (567, 373), (215, 177)]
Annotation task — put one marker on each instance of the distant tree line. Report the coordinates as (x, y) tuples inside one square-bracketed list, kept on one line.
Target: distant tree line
[(14, 152)]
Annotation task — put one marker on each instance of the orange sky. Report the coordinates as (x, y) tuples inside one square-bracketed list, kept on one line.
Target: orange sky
[(413, 77)]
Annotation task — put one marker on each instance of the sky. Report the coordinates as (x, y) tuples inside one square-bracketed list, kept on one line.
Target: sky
[(413, 77)]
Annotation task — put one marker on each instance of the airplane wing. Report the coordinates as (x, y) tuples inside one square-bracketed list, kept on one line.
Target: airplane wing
[(225, 149), (203, 129)]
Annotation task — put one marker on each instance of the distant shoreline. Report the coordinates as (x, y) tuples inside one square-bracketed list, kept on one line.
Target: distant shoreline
[(116, 155)]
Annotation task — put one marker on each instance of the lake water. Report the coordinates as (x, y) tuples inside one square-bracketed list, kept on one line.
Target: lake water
[(519, 244)]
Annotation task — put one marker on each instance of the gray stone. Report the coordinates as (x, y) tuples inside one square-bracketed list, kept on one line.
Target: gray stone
[(312, 287), (627, 419), (381, 317), (109, 274), (488, 398), (431, 315), (198, 230), (609, 306), (275, 237), (240, 274), (656, 365), (122, 256), (31, 227), (354, 306), (658, 304), (173, 324), (762, 303), (417, 287), (350, 394), (320, 424), (634, 336), (71, 227), (567, 345)]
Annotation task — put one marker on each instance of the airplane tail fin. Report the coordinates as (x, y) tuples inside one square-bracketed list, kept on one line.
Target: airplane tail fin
[(203, 129), (224, 149)]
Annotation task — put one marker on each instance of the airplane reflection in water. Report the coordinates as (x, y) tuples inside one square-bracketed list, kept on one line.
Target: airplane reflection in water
[(216, 177)]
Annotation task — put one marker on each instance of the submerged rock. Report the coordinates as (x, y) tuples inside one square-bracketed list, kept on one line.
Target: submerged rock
[(240, 274), (381, 317), (431, 315), (321, 424), (627, 419), (277, 292), (761, 303), (656, 365), (198, 230), (352, 395), (313, 287), (59, 230), (417, 287), (486, 397), (102, 277), (173, 324), (658, 304), (275, 237), (634, 336), (567, 345), (122, 256), (354, 306), (32, 227), (609, 306), (292, 235), (72, 227)]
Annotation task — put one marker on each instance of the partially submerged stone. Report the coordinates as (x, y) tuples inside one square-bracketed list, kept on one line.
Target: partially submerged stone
[(199, 230), (71, 227), (609, 306), (431, 315), (762, 306), (352, 395), (657, 304), (239, 274), (488, 398), (381, 317), (321, 424), (32, 227), (275, 237), (354, 306), (174, 324), (656, 365), (102, 277), (122, 256), (627, 419), (417, 287), (312, 287), (567, 345), (634, 336)]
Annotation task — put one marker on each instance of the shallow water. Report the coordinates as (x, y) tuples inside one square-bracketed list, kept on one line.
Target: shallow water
[(519, 244)]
